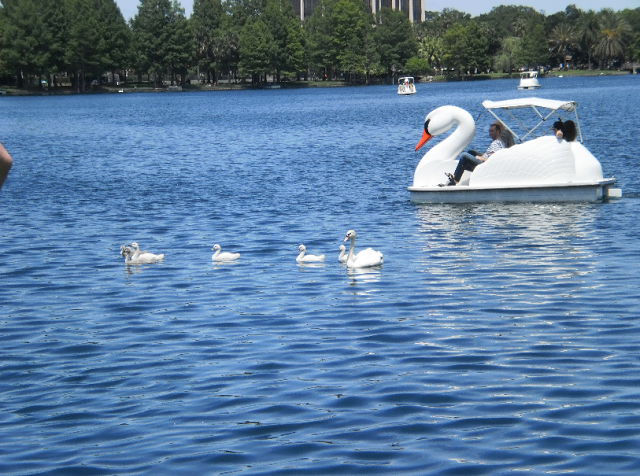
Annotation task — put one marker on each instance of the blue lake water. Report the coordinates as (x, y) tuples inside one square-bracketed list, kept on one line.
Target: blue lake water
[(496, 339)]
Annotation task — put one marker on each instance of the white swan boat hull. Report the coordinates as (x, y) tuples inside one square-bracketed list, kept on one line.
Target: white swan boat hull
[(547, 193), (528, 84), (529, 80)]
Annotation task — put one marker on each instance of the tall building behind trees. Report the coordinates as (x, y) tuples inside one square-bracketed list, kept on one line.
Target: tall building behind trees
[(414, 10)]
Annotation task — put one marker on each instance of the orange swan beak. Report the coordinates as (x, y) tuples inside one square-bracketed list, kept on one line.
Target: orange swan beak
[(425, 138)]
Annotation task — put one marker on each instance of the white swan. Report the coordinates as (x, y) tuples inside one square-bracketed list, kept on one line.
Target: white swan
[(138, 257), (134, 254), (443, 158), (364, 258), (544, 160), (144, 258), (342, 257), (302, 258), (217, 256)]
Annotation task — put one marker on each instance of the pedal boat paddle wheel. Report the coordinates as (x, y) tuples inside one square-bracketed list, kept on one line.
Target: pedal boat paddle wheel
[(538, 168)]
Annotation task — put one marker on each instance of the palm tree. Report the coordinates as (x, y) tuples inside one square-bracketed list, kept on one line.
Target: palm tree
[(589, 32), (431, 49), (519, 26), (614, 33), (563, 40)]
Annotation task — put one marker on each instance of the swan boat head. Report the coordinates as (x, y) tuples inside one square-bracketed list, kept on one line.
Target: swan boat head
[(443, 157)]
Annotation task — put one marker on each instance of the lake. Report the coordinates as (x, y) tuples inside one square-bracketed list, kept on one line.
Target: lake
[(496, 339)]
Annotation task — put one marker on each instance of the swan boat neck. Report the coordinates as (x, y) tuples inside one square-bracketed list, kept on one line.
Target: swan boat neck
[(540, 169)]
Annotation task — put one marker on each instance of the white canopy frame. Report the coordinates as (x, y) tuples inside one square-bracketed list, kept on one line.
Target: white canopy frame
[(559, 109)]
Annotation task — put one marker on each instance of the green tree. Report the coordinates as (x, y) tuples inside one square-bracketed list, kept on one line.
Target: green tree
[(351, 31), (161, 38), (114, 36), (206, 22), (82, 53), (178, 42), (465, 48), (510, 21), (533, 49), (285, 29), (509, 55), (589, 32), (634, 48), (26, 37), (613, 36), (395, 40), (147, 26), (58, 25), (416, 66), (256, 49), (320, 49), (436, 24), (431, 49), (563, 41)]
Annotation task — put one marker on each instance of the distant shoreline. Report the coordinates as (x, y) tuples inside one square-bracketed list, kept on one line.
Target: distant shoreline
[(137, 88)]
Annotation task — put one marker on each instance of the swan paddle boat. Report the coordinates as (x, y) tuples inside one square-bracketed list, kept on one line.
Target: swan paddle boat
[(542, 169), (528, 80), (406, 86)]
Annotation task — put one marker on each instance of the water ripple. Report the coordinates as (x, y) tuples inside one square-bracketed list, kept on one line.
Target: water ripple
[(495, 338)]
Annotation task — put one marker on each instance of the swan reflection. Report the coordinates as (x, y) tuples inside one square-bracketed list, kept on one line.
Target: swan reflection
[(302, 265), (364, 275), (224, 264), (556, 240)]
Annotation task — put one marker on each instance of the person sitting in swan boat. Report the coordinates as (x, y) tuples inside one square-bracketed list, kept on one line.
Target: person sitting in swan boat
[(469, 162), (565, 130)]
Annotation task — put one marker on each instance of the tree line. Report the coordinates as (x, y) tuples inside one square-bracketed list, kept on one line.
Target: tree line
[(84, 39)]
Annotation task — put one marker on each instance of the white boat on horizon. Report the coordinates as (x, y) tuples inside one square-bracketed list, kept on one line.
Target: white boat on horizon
[(406, 86), (543, 169), (528, 80)]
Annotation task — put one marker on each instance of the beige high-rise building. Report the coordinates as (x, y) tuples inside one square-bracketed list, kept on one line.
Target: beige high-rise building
[(413, 9)]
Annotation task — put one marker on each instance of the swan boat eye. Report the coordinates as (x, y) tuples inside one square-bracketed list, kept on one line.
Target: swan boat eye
[(426, 126)]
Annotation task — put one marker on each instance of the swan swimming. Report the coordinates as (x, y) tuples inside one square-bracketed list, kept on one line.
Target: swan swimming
[(130, 256), (342, 257), (365, 258), (143, 256), (217, 256), (302, 258)]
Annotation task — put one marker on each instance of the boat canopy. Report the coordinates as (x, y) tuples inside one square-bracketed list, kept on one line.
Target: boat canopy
[(552, 109), (404, 79)]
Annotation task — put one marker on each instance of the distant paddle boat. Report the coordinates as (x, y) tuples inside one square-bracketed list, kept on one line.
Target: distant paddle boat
[(406, 86), (543, 169), (528, 80)]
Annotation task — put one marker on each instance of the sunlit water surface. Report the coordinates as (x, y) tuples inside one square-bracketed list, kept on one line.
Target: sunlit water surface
[(495, 339)]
